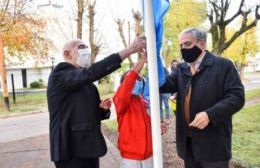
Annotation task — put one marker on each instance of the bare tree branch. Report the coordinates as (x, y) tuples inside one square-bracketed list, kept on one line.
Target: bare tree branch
[(138, 18), (94, 45), (219, 24), (120, 24), (257, 14), (237, 34), (236, 14)]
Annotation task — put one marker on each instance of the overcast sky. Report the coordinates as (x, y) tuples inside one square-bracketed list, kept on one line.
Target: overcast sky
[(106, 12)]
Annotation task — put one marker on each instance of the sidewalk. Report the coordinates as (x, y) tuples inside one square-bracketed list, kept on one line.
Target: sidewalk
[(24, 143)]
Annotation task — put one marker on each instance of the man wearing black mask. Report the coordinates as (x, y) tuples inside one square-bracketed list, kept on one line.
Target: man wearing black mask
[(209, 93)]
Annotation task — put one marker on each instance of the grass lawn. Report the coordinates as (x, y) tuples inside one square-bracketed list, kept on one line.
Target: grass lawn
[(252, 94), (31, 102), (246, 136), (28, 107)]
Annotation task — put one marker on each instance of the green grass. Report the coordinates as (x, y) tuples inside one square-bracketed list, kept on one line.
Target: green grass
[(252, 73), (20, 108), (34, 102), (246, 136), (25, 98), (252, 94), (31, 102)]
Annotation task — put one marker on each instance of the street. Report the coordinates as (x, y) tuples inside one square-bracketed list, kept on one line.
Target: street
[(24, 143), (253, 81)]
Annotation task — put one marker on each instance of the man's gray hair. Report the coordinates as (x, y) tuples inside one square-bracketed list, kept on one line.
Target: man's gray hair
[(71, 44), (196, 33)]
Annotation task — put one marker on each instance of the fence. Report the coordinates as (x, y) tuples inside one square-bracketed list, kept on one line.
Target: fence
[(22, 90)]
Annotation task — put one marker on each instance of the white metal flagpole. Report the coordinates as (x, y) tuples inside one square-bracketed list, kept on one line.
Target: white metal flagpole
[(153, 82)]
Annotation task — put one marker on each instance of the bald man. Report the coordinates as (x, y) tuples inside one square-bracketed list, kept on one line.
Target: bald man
[(75, 108)]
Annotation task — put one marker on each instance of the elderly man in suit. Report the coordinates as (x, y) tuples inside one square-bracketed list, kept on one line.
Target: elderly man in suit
[(75, 108)]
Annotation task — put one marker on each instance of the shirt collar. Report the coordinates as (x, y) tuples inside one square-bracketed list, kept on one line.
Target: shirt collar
[(198, 61)]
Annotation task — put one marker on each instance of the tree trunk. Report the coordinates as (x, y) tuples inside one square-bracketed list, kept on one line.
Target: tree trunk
[(241, 73), (3, 75), (120, 24), (131, 64), (80, 4), (95, 47), (219, 23), (138, 31)]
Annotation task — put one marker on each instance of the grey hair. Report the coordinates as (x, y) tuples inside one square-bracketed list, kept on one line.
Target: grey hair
[(71, 44), (196, 33)]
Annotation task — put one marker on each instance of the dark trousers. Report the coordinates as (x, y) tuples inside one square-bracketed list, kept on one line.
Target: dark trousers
[(191, 163), (78, 163)]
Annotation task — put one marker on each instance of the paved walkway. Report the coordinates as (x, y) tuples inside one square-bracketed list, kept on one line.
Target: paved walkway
[(24, 143)]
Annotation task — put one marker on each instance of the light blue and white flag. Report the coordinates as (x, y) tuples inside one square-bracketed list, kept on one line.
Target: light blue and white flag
[(160, 7)]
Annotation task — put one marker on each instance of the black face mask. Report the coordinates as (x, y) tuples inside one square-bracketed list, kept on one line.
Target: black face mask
[(190, 55)]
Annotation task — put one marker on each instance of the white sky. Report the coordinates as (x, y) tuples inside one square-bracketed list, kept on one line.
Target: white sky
[(107, 11)]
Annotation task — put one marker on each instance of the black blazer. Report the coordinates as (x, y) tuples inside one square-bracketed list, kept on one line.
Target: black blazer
[(75, 115), (216, 89)]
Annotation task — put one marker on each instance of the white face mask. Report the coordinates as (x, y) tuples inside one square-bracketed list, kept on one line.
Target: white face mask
[(83, 59)]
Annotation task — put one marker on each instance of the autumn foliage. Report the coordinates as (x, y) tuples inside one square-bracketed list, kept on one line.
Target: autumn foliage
[(23, 33)]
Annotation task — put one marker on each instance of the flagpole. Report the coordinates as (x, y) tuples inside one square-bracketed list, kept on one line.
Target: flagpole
[(153, 82)]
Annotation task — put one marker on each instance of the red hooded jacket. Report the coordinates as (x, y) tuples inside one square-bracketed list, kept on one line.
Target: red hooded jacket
[(134, 124)]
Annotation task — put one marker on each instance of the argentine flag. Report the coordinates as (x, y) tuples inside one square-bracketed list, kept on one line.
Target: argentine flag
[(160, 7)]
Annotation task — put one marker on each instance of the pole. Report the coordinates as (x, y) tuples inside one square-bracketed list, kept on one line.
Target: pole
[(3, 75), (153, 82), (13, 88)]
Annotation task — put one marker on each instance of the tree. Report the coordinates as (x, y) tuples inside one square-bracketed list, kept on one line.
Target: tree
[(81, 5), (137, 16), (181, 15), (120, 24), (219, 23), (137, 26), (94, 41), (241, 49), (23, 33)]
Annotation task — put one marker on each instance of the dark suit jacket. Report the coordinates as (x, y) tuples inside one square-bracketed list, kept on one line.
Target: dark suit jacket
[(216, 89), (75, 115)]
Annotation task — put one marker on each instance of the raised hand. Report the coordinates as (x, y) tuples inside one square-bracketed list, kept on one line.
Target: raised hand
[(138, 45)]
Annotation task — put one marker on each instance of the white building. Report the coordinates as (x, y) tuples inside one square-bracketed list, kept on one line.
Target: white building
[(24, 76), (253, 64)]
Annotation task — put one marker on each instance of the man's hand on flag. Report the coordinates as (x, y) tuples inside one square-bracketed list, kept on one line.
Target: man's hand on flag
[(138, 45)]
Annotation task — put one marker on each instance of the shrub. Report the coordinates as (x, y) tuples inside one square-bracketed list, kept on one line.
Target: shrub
[(37, 84)]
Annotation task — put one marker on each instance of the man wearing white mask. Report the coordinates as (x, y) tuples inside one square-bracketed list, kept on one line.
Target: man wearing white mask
[(75, 108)]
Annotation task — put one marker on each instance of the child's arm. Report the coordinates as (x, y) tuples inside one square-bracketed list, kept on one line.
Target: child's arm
[(123, 95)]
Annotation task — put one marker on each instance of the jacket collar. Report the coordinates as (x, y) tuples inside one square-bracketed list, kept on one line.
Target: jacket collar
[(208, 59)]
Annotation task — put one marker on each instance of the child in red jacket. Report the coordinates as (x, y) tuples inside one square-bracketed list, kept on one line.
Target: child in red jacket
[(134, 123)]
